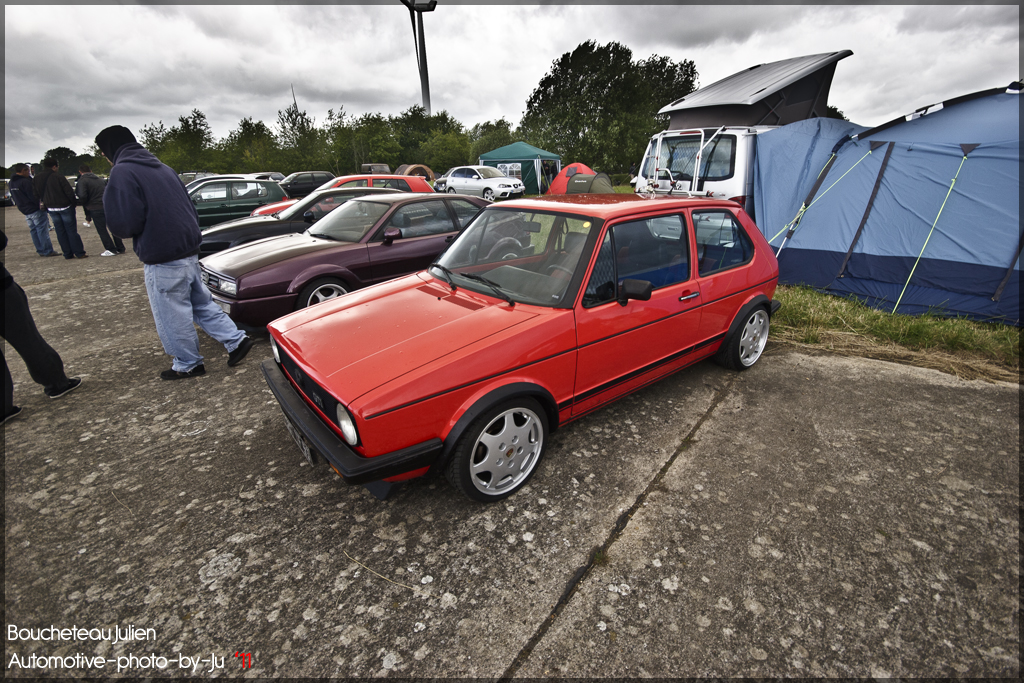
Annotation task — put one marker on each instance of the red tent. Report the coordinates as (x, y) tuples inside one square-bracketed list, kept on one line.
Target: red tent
[(559, 184)]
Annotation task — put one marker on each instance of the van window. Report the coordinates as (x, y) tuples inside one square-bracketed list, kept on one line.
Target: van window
[(678, 155)]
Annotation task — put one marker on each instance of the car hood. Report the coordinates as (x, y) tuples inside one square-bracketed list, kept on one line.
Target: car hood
[(371, 337), (246, 222), (246, 258)]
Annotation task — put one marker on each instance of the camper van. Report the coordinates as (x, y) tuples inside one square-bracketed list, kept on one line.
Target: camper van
[(725, 156)]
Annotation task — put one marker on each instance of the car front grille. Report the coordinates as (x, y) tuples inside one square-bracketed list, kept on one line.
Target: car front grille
[(316, 394), (211, 280)]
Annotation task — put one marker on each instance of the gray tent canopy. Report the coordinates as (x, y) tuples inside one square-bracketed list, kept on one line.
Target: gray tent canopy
[(586, 183), (523, 161)]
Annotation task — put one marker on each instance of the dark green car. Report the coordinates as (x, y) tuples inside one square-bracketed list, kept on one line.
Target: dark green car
[(222, 200)]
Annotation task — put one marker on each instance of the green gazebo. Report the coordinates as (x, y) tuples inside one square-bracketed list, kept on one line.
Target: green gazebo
[(523, 161)]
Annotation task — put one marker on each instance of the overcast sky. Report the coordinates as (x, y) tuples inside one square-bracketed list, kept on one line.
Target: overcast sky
[(70, 71)]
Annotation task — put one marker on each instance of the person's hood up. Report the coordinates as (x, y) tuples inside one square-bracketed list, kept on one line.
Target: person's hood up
[(113, 138)]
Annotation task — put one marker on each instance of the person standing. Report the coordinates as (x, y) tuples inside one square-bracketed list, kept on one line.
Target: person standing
[(59, 199), (146, 201), (25, 199), (44, 364), (90, 195)]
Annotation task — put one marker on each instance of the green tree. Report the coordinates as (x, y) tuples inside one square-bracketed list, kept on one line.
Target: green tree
[(248, 148), (188, 145), (490, 135), (444, 150), (153, 136), (66, 160), (300, 141), (598, 106), (337, 135), (373, 141), (835, 113)]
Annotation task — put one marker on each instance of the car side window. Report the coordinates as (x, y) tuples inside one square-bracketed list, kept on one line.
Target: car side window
[(248, 190), (461, 173), (464, 211), (213, 192), (423, 218), (721, 241), (354, 183), (654, 250)]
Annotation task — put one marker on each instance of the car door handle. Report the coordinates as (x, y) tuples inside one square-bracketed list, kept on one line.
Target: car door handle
[(685, 297), (449, 238)]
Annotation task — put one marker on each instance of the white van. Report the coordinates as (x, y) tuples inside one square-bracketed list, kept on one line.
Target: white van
[(726, 157)]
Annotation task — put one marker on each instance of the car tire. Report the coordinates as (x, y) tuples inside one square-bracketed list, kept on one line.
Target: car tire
[(745, 346), (481, 465), (451, 190), (488, 194), (319, 291)]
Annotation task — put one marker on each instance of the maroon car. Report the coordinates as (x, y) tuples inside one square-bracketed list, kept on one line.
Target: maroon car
[(367, 240)]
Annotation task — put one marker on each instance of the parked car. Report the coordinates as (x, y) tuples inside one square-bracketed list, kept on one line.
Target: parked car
[(468, 367), (726, 167), (402, 183), (441, 181), (300, 184), (219, 199), (484, 181), (292, 219), (365, 241)]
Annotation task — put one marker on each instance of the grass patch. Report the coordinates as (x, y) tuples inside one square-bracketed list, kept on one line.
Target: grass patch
[(964, 347)]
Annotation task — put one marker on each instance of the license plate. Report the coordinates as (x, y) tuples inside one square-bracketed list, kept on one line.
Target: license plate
[(300, 441)]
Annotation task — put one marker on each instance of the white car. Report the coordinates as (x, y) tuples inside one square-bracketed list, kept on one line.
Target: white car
[(483, 181)]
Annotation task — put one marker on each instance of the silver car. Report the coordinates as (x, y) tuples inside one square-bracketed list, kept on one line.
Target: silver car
[(483, 181)]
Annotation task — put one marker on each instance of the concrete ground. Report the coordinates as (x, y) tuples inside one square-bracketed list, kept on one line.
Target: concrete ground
[(813, 516)]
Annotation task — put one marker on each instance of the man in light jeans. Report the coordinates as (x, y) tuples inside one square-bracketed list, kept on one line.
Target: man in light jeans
[(178, 297), (147, 202), (25, 199)]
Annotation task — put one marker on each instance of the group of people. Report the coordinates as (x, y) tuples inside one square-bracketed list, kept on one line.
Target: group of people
[(143, 200), (49, 196)]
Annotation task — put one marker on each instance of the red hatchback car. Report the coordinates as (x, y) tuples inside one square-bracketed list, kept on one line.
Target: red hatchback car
[(542, 311), (402, 183)]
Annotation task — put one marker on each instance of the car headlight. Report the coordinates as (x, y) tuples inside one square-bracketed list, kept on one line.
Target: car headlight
[(229, 287), (348, 427), (504, 185), (273, 349)]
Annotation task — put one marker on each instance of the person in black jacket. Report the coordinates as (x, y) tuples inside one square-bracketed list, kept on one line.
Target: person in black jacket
[(90, 195), (146, 201), (44, 364), (59, 199), (24, 196)]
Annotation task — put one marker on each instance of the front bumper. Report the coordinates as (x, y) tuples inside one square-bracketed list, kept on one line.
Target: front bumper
[(352, 467), (510, 193)]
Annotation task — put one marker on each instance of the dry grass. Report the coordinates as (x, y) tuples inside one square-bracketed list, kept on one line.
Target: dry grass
[(965, 348)]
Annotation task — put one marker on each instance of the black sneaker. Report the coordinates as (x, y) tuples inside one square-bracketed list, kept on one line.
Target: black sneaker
[(174, 374), (15, 412), (73, 384), (236, 356)]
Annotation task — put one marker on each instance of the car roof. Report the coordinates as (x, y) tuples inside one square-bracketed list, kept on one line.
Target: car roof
[(363, 176), (607, 206), (396, 197)]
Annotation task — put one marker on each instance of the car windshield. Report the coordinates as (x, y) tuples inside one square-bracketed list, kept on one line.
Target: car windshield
[(533, 257), (488, 172), (289, 179), (350, 222), (679, 153)]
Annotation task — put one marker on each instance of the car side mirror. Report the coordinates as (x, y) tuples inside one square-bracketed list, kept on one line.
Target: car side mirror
[(392, 234), (308, 217), (635, 289), (476, 177)]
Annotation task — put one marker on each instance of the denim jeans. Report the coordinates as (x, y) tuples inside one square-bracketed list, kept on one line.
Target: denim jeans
[(39, 228), (179, 298), (65, 224)]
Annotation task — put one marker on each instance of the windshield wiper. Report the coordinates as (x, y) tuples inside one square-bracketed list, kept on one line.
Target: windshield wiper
[(325, 236), (493, 285), (447, 275)]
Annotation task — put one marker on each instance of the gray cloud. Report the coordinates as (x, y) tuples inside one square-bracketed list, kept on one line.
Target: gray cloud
[(145, 63)]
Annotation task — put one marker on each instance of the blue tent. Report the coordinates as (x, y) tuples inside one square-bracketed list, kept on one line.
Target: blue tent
[(918, 215)]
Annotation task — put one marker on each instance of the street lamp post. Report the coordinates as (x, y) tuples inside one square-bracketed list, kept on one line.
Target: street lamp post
[(416, 10)]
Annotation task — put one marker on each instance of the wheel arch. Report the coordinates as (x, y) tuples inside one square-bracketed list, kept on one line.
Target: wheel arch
[(322, 270), (757, 301), (489, 400)]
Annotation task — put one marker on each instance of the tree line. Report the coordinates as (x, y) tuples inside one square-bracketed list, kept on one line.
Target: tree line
[(596, 105)]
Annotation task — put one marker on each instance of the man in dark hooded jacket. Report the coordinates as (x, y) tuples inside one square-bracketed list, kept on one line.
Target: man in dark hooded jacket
[(147, 202)]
